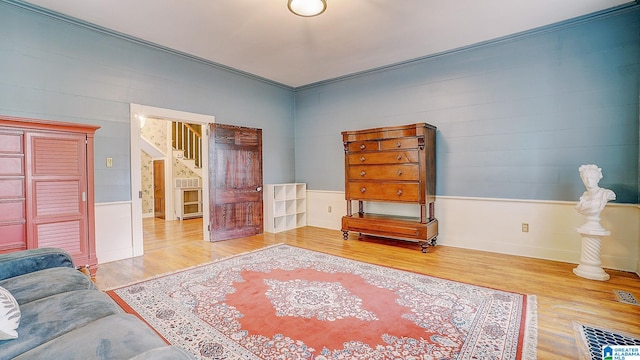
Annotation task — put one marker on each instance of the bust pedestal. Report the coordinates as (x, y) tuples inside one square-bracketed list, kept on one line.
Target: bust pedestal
[(590, 264), (591, 204)]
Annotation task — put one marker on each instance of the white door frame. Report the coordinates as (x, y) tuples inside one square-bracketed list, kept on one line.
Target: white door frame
[(137, 112)]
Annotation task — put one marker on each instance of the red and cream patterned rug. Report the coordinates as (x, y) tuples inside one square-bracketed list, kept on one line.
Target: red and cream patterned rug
[(283, 302)]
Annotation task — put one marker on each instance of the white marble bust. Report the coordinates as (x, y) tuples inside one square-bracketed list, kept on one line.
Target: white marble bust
[(595, 198)]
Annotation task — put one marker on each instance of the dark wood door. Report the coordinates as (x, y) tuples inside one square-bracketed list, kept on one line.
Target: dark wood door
[(158, 189), (235, 181)]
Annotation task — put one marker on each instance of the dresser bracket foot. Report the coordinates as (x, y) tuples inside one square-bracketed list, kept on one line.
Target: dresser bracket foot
[(425, 247), (345, 235)]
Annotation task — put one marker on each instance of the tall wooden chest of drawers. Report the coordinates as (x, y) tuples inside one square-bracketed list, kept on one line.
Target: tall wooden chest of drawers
[(391, 164)]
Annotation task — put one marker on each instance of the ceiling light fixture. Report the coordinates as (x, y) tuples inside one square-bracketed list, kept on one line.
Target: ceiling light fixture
[(307, 8)]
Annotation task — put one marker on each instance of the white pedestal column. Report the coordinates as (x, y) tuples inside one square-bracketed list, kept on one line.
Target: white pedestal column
[(590, 264)]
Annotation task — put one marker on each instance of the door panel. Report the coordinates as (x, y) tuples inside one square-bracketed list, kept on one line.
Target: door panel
[(158, 189), (235, 177), (58, 189)]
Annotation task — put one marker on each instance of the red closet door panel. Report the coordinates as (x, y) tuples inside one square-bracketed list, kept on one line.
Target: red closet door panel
[(65, 235), (58, 155), (58, 198), (58, 214)]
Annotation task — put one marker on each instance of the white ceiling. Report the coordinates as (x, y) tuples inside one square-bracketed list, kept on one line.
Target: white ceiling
[(263, 38)]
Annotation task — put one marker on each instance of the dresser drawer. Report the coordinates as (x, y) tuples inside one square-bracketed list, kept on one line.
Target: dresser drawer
[(13, 237), (10, 142), (11, 188), (382, 225), (11, 165), (399, 143), (370, 145), (12, 210), (383, 191), (402, 172), (384, 157), (393, 226)]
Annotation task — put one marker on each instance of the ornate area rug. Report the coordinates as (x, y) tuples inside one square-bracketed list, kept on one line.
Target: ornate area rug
[(283, 302)]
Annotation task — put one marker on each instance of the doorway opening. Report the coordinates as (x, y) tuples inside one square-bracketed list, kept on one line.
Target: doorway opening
[(167, 206)]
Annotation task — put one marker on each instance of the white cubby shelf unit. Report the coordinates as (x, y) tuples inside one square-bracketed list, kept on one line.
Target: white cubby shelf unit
[(285, 207)]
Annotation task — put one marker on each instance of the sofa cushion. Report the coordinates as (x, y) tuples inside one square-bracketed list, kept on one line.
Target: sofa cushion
[(9, 315), (120, 336), (40, 284), (46, 319)]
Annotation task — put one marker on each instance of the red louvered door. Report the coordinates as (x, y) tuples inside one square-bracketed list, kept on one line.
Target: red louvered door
[(58, 191)]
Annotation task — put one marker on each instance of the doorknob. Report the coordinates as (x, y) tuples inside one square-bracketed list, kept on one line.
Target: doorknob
[(259, 188)]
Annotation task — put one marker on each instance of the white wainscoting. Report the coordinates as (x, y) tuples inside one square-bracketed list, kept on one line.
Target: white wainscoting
[(483, 224), (495, 225), (114, 239)]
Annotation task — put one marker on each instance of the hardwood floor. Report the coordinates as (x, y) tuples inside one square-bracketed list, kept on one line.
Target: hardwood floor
[(563, 298)]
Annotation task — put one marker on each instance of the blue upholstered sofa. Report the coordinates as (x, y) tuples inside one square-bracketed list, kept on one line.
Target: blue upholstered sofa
[(64, 316)]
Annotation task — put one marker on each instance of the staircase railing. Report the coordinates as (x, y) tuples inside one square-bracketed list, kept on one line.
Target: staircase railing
[(188, 139)]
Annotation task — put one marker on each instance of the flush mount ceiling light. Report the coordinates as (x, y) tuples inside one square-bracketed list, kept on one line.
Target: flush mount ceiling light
[(307, 8)]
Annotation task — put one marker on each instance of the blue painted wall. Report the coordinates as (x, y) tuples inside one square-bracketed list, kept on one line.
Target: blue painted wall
[(52, 69), (516, 118)]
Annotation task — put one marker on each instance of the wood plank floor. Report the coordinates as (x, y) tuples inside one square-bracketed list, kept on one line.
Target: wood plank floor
[(563, 298)]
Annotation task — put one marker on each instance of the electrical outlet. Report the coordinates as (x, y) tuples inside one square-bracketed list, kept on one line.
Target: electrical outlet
[(525, 227), (329, 209)]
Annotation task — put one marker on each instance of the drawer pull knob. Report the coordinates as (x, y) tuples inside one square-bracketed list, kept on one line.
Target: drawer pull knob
[(362, 173), (399, 172), (399, 157), (399, 192), (362, 159), (362, 190), (363, 146), (398, 144)]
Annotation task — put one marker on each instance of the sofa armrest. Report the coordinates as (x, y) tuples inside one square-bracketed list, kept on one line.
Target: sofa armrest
[(27, 261)]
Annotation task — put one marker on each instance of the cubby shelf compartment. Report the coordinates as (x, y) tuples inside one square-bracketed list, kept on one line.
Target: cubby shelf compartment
[(285, 206), (188, 203)]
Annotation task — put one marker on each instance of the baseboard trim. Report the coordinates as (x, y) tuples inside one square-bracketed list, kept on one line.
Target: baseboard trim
[(495, 225)]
